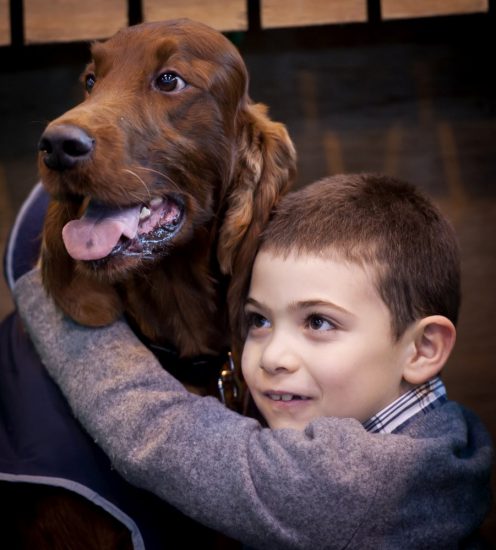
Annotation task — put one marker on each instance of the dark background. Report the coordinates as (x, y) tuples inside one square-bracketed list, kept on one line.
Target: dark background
[(415, 99)]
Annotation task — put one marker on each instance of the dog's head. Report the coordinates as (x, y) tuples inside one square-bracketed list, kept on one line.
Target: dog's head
[(166, 149)]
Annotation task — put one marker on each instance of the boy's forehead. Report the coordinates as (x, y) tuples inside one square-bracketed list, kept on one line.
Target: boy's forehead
[(293, 262), (286, 280)]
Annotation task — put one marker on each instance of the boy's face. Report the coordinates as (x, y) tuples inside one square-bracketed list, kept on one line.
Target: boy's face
[(319, 342)]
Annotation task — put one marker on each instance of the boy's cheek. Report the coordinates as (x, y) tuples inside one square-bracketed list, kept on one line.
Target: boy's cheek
[(248, 358), (244, 358)]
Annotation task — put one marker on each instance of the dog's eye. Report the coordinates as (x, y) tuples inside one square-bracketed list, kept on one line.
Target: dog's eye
[(170, 82), (89, 82)]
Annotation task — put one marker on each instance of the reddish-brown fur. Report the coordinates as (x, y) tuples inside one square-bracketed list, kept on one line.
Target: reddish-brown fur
[(207, 144)]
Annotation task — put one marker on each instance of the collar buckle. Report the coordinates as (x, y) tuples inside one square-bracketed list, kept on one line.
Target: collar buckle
[(229, 385)]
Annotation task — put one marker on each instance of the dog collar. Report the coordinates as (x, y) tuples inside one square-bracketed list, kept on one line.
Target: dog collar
[(212, 374)]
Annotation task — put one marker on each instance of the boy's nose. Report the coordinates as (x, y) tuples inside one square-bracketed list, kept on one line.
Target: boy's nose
[(279, 356)]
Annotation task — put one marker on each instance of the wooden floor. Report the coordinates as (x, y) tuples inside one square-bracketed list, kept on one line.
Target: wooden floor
[(414, 99)]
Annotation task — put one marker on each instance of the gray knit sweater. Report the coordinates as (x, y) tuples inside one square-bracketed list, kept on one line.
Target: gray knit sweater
[(334, 485)]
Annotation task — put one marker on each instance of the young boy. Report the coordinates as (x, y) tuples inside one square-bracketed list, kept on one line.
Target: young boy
[(350, 318)]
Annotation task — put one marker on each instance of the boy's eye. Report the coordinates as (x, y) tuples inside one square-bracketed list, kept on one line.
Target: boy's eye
[(256, 321), (317, 322)]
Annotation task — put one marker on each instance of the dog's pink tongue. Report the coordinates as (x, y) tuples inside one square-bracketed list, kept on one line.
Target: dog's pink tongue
[(94, 235)]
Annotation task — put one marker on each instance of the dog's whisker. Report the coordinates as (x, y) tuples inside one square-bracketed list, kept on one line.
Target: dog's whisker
[(168, 179), (137, 197), (139, 179)]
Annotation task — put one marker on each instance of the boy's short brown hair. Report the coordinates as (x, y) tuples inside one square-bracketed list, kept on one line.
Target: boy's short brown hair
[(379, 222)]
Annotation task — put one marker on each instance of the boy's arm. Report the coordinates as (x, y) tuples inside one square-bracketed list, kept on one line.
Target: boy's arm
[(262, 487)]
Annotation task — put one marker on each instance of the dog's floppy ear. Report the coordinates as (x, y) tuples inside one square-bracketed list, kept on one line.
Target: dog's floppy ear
[(265, 170), (86, 301)]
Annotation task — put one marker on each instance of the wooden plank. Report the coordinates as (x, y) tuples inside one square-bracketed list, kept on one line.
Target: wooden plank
[(72, 20), (298, 13), (4, 22), (223, 15), (403, 9)]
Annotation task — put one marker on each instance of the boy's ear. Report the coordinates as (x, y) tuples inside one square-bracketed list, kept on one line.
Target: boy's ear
[(432, 340)]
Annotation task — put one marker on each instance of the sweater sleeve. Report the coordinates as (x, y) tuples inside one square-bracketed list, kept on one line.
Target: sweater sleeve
[(266, 488)]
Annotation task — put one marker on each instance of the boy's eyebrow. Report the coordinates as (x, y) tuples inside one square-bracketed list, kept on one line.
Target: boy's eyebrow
[(305, 304), (252, 302)]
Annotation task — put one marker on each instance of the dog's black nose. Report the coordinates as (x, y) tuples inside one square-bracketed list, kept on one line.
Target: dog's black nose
[(63, 146)]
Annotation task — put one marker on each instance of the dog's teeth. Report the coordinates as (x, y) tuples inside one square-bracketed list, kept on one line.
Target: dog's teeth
[(157, 201), (145, 213)]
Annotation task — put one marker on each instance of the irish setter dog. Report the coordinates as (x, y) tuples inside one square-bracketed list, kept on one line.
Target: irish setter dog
[(161, 181)]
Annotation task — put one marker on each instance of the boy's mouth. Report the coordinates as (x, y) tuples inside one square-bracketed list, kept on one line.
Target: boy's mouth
[(286, 397)]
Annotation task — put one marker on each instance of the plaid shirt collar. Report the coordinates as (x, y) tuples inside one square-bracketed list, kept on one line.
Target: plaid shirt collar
[(420, 399)]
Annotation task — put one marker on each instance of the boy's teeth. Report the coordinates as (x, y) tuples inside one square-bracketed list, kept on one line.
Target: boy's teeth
[(286, 397), (281, 396), (145, 213)]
